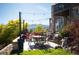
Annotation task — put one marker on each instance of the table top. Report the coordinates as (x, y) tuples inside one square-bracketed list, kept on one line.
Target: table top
[(37, 36)]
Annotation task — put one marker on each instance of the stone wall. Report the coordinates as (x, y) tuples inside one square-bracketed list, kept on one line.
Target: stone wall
[(6, 50), (15, 43)]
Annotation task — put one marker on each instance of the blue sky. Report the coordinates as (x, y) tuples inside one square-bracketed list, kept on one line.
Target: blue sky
[(33, 13)]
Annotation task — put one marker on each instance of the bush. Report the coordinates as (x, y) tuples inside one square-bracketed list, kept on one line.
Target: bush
[(71, 29), (73, 33), (64, 34)]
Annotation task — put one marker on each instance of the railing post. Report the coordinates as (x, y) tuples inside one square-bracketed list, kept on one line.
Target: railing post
[(20, 24), (23, 24)]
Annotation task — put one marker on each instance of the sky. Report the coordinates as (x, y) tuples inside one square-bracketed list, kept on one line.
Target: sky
[(33, 13)]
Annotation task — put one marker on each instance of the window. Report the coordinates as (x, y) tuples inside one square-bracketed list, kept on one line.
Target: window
[(59, 23), (75, 11)]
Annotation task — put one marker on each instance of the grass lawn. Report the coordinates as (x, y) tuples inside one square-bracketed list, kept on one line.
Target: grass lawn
[(47, 52)]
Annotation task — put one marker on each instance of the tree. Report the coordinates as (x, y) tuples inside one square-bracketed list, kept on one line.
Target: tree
[(39, 28), (9, 31), (25, 25), (1, 27), (31, 30)]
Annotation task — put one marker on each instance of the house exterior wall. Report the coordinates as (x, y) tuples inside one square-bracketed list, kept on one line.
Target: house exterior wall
[(63, 14)]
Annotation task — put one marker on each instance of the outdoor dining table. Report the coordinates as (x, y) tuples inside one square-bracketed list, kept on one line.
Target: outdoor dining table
[(38, 38)]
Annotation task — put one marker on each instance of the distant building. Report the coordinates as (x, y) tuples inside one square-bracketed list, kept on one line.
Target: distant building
[(62, 14)]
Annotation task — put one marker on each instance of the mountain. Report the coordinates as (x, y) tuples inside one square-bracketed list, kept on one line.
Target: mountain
[(32, 26)]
